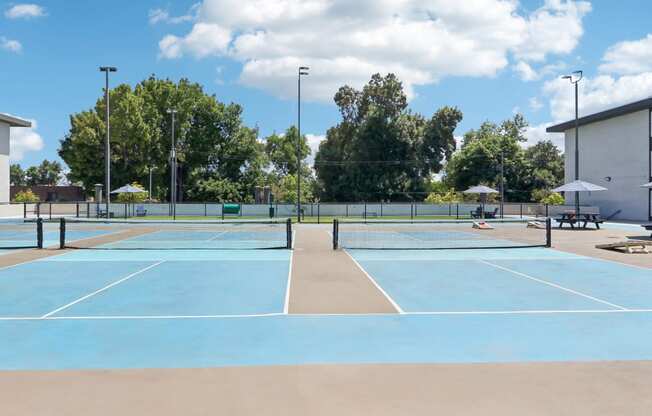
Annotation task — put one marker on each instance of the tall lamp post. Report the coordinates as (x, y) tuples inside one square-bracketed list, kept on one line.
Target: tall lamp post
[(303, 70), (575, 78), (107, 151), (173, 169)]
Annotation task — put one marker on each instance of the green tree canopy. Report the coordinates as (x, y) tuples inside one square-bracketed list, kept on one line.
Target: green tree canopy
[(212, 142), (17, 175), (380, 150), (282, 152), (46, 173), (480, 158)]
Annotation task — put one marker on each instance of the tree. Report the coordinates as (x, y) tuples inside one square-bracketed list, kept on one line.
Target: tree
[(480, 158), (282, 152), (212, 142), (217, 190), (286, 189), (47, 173), (380, 150), (16, 175)]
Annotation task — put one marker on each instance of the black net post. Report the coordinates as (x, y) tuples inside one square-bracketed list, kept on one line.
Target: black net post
[(548, 232), (39, 233), (336, 229), (289, 233), (62, 233)]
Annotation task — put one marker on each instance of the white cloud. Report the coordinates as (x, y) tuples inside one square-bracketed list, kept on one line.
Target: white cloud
[(24, 140), (163, 16), (535, 104), (10, 45), (537, 133), (525, 71), (345, 42), (554, 28), (205, 39), (629, 57), (314, 140), (25, 11), (596, 94)]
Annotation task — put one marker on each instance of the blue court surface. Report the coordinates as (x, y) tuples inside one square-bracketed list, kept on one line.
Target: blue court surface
[(92, 309)]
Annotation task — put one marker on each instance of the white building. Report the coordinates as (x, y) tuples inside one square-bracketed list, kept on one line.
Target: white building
[(6, 123), (615, 151)]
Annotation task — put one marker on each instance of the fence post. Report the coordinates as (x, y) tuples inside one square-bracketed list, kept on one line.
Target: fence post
[(381, 209), (347, 210), (411, 211), (457, 211), (521, 206), (336, 229), (77, 209), (50, 210), (318, 213), (365, 210), (547, 215), (24, 209)]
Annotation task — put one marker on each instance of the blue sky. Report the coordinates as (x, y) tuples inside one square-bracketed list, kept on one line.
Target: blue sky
[(488, 57)]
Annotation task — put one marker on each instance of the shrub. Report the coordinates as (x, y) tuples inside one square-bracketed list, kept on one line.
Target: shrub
[(26, 196), (553, 199)]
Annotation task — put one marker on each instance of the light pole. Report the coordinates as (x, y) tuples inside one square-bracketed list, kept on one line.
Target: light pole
[(575, 78), (303, 70), (502, 181), (107, 151), (173, 169)]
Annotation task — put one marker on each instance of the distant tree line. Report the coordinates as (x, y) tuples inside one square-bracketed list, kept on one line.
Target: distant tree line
[(46, 173), (379, 151)]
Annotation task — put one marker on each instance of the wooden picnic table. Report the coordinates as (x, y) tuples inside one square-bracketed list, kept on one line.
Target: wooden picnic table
[(570, 218)]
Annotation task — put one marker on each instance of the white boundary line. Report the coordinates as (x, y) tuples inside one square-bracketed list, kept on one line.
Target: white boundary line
[(316, 315), (221, 233), (552, 284), (286, 304), (117, 282), (373, 281)]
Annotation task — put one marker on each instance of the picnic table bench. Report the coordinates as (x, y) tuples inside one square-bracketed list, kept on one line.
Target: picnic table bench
[(478, 213), (571, 219)]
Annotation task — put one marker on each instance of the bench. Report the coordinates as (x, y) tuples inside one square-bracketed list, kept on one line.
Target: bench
[(477, 213), (141, 211)]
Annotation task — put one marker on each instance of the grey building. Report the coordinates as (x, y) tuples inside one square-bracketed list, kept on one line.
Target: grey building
[(6, 123), (615, 151)]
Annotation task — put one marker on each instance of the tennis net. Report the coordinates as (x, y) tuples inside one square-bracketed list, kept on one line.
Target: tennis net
[(440, 235), (174, 235), (19, 234)]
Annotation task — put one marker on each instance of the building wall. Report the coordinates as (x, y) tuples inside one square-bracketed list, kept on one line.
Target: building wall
[(619, 149), (4, 162)]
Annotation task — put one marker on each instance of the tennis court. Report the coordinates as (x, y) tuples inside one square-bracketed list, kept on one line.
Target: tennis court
[(122, 307)]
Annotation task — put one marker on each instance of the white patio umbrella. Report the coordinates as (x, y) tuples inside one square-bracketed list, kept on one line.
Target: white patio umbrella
[(483, 191), (129, 189), (579, 186)]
